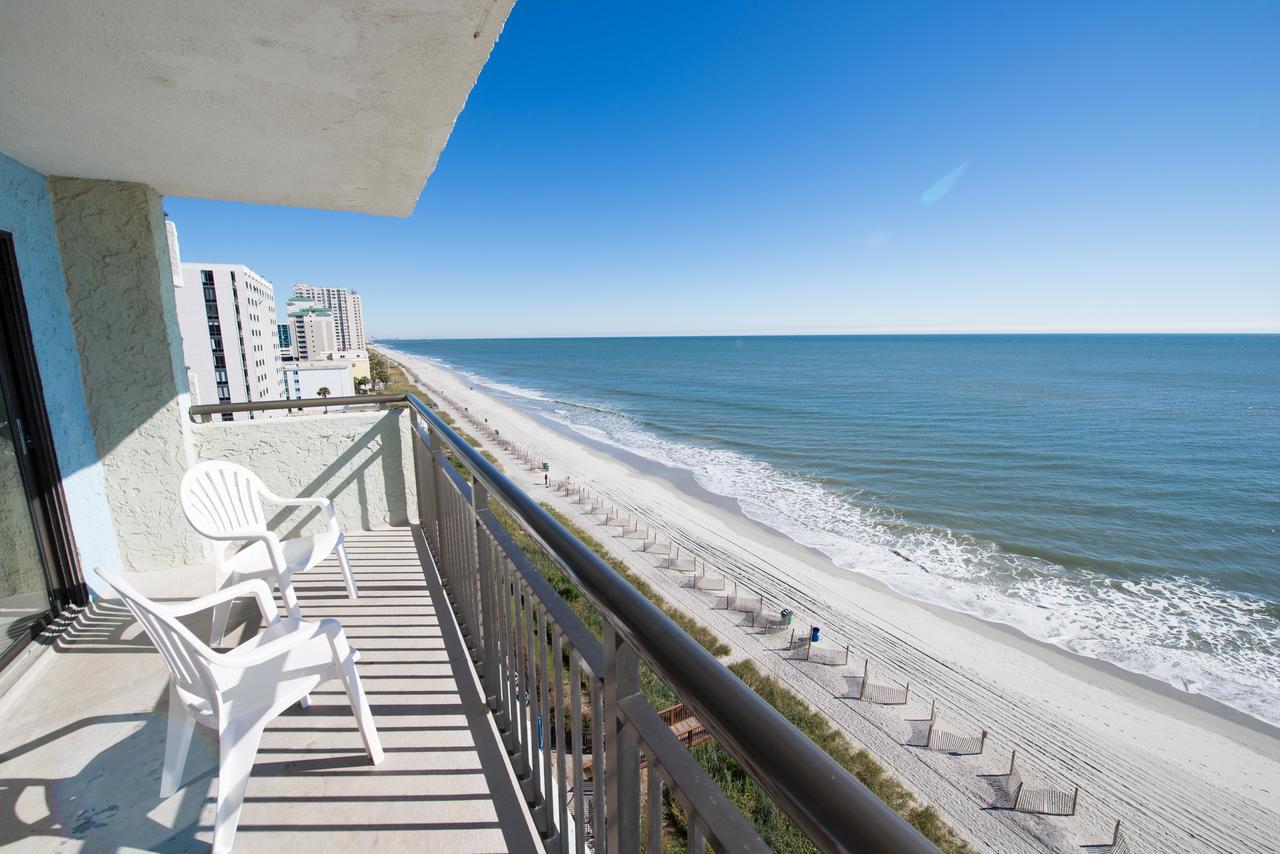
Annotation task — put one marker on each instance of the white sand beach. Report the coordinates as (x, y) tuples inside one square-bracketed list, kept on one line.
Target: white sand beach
[(1180, 772)]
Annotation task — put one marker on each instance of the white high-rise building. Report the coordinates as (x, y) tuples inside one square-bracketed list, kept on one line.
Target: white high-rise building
[(227, 316), (348, 312)]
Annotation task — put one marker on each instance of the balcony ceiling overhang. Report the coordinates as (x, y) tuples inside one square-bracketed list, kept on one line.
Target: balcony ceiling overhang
[(318, 104)]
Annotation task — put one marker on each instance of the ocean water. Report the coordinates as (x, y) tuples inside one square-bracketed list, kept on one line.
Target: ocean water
[(1116, 495)]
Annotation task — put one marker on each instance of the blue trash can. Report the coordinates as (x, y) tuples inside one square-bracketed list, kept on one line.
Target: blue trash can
[(815, 634)]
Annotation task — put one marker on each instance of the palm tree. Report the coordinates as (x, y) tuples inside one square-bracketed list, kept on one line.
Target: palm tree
[(323, 391)]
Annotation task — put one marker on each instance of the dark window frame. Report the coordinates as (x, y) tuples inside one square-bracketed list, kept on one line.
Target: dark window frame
[(41, 475)]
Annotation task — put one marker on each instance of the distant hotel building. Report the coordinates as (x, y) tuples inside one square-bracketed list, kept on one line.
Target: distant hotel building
[(348, 313), (305, 379), (284, 336), (313, 329), (227, 317)]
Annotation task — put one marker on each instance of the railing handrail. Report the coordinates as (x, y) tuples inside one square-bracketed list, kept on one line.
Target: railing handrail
[(203, 411), (827, 802)]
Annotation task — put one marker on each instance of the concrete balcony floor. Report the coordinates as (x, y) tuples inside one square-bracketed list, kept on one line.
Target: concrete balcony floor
[(82, 739)]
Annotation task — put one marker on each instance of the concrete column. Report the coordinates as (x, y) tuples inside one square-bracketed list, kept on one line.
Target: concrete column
[(120, 289)]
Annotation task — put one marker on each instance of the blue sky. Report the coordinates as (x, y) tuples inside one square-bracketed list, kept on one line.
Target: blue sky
[(822, 167)]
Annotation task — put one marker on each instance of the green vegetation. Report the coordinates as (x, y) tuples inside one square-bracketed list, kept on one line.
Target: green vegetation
[(380, 369), (397, 382)]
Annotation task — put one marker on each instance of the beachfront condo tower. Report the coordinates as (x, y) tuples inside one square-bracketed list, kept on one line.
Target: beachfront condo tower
[(314, 329), (348, 312), (227, 318)]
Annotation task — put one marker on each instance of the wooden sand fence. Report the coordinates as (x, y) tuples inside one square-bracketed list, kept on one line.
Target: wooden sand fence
[(770, 625), (747, 604), (1119, 842), (674, 562), (703, 581), (832, 656), (882, 693), (1042, 801), (950, 742)]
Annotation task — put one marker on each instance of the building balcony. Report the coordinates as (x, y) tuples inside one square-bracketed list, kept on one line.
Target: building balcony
[(508, 725), (83, 745)]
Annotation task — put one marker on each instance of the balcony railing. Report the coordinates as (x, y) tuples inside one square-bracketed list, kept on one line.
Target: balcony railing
[(544, 673)]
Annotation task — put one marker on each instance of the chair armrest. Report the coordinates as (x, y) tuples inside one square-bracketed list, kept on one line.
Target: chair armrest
[(315, 501), (325, 505), (255, 587)]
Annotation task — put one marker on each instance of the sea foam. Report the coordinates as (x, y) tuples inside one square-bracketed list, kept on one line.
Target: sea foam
[(1180, 630)]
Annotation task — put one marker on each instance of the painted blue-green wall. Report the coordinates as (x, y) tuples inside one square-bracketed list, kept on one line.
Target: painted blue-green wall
[(26, 213)]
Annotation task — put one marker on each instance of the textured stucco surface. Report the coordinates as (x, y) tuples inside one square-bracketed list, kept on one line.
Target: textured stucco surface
[(362, 462), (25, 212), (316, 103), (115, 260)]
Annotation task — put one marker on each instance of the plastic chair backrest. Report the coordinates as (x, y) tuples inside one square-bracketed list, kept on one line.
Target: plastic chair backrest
[(188, 659), (219, 498)]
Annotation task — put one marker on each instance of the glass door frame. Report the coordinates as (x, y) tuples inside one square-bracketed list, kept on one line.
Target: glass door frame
[(37, 461)]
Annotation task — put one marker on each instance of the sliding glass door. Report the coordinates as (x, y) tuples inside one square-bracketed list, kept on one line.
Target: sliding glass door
[(24, 586), (39, 573)]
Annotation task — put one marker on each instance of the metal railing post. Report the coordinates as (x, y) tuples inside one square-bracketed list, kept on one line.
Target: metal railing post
[(622, 746), (433, 522), (485, 573), (419, 468)]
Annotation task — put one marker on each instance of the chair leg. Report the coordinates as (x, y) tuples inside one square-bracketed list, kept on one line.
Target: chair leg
[(177, 744), (295, 612), (217, 632), (221, 612), (345, 659), (237, 748), (290, 598), (346, 571)]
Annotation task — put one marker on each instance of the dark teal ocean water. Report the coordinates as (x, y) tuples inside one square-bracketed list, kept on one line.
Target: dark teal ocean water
[(1117, 495)]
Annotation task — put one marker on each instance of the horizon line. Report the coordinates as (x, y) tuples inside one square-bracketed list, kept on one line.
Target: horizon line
[(833, 334)]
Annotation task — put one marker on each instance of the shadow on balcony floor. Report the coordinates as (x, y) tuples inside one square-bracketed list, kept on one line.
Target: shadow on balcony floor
[(83, 736)]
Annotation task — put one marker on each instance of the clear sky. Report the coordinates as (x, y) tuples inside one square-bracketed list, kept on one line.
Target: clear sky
[(804, 166)]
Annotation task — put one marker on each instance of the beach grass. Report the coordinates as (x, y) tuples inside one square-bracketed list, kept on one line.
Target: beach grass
[(399, 383)]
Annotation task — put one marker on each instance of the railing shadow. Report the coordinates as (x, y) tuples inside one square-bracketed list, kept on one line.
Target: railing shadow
[(376, 453)]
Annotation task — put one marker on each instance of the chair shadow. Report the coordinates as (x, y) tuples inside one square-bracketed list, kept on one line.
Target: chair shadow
[(383, 442)]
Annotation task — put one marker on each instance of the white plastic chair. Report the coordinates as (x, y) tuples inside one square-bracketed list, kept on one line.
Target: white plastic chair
[(237, 693), (223, 502)]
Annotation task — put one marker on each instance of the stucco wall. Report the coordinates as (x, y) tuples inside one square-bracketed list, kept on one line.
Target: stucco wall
[(119, 288), (363, 462), (25, 211)]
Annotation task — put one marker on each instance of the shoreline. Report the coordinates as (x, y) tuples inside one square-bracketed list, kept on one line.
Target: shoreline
[(684, 481), (1034, 695)]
